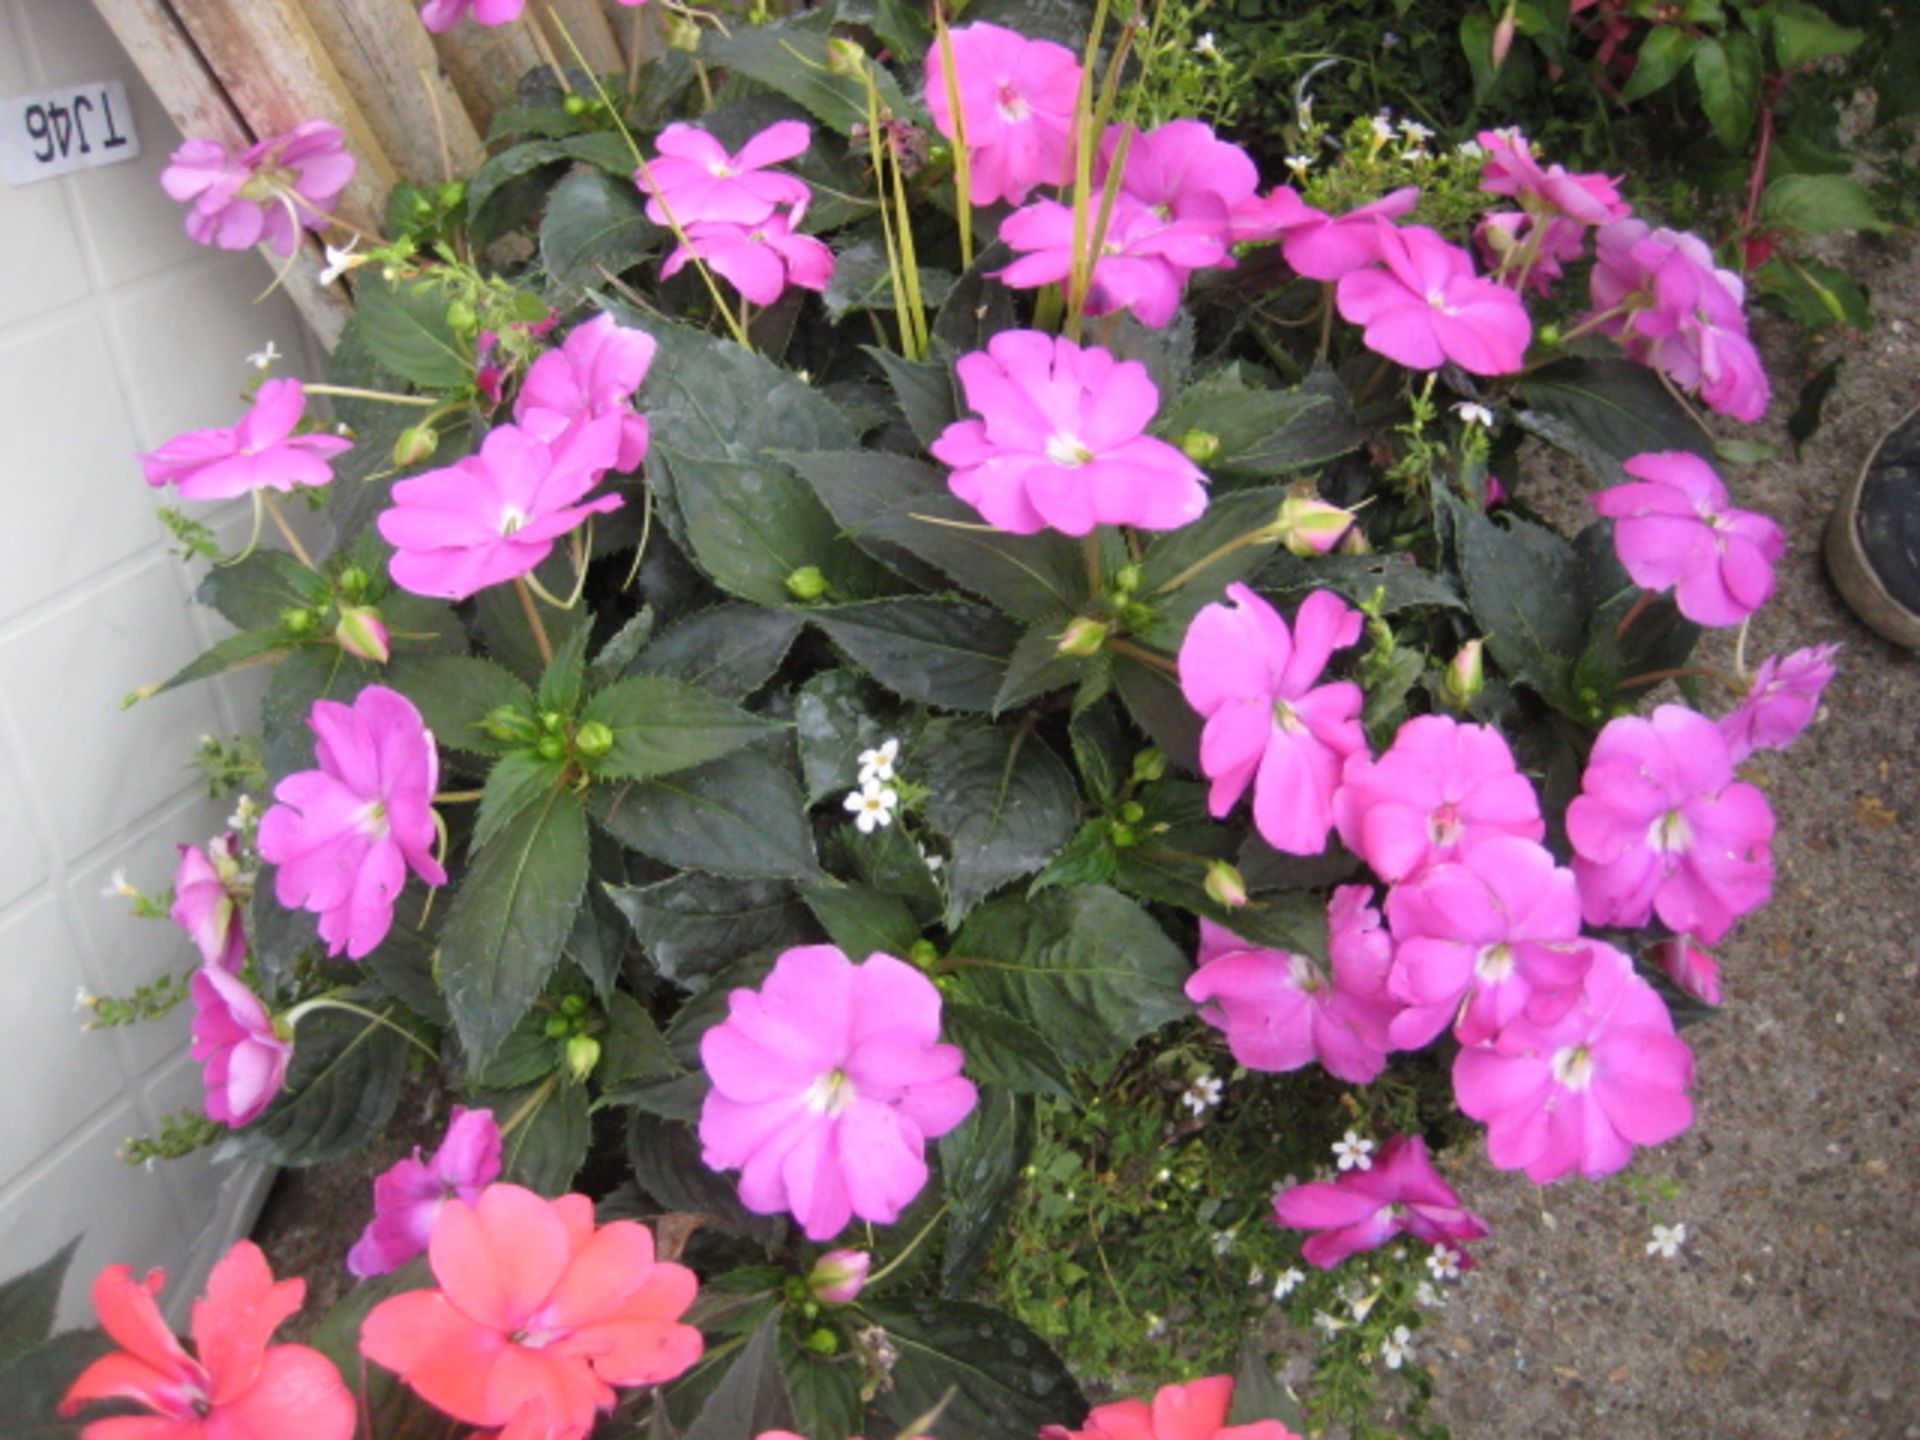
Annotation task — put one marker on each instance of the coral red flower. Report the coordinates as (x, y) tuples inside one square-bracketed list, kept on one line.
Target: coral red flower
[(1195, 1411)]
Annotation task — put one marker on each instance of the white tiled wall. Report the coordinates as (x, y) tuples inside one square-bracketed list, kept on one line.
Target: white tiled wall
[(116, 332)]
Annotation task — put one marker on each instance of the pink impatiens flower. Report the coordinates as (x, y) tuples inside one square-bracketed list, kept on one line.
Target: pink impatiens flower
[(700, 182), (1182, 171), (1424, 306), (265, 195), (828, 1081), (492, 517), (1780, 703), (1197, 1410), (1314, 243), (1268, 723), (1662, 827), (1399, 1194), (1676, 530), (209, 888), (260, 453), (345, 835), (1690, 968), (1512, 169), (243, 1054), (409, 1196), (1061, 441), (1142, 266), (593, 374), (440, 15), (1016, 101), (759, 260), (1579, 1092)]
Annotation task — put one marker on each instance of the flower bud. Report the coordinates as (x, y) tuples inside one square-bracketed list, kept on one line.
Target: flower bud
[(1083, 636), (296, 621), (839, 1275), (574, 104), (362, 634), (461, 319), (1503, 37), (583, 1053), (683, 34), (593, 739), (1198, 446), (1150, 764), (1308, 526), (923, 953), (845, 57), (353, 582), (1127, 579), (414, 444), (1465, 676), (551, 747), (824, 1342), (451, 194), (1355, 542), (1225, 885), (807, 584)]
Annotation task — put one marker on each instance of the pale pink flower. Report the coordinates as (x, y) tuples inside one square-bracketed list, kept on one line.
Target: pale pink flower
[(1060, 443), (1512, 169), (1781, 701), (1662, 827), (828, 1081), (759, 260), (410, 1194), (1424, 306), (1579, 1092), (243, 1055), (209, 889), (345, 835), (267, 193), (701, 182), (593, 374), (838, 1277), (1268, 723), (439, 15), (491, 517), (1677, 530), (1143, 263), (1400, 1194), (1691, 968), (1016, 100), (262, 452)]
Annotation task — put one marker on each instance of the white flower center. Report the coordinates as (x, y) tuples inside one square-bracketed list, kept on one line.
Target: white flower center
[(1494, 964), (1443, 825), (1438, 301), (1670, 834), (720, 170), (1287, 718), (512, 519), (1573, 1067), (1070, 450), (1012, 105), (831, 1094), (373, 820)]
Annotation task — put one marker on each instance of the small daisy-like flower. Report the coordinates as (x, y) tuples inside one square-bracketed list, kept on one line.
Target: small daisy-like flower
[(341, 259), (872, 806), (1362, 1306), (1288, 1281), (1472, 414), (1256, 1277), (1397, 1348), (876, 766), (1382, 128), (117, 887), (1223, 1240), (262, 359), (1425, 1294), (1300, 165), (1470, 150), (1327, 1322), (1204, 46), (1444, 1263), (1667, 1240), (1202, 1095), (1353, 1152), (1415, 132)]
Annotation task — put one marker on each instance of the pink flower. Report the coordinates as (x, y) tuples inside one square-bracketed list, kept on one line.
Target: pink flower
[(1268, 723), (701, 183), (1579, 1092), (494, 516), (345, 835), (1780, 703), (1511, 169), (1143, 263), (1426, 306), (439, 15), (1560, 242), (260, 453), (1182, 172), (759, 260), (1061, 441), (1676, 531), (1400, 1194), (240, 1387), (827, 1083), (244, 1055), (593, 374), (1327, 247), (1194, 1411), (409, 1196), (267, 193), (1661, 826), (1016, 100), (1690, 968), (209, 888), (1440, 789), (838, 1277)]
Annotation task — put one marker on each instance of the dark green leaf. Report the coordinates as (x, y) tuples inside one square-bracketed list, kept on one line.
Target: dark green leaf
[(862, 921), (862, 281), (32, 1386), (341, 1090), (924, 389), (515, 782), (1264, 432), (595, 226), (500, 172), (694, 925), (253, 647), (1728, 71), (392, 1408), (731, 649), (1819, 205), (455, 693), (666, 1164), (635, 1049), (405, 326), (752, 1399), (1803, 34), (28, 1301), (1406, 584), (661, 726), (510, 639), (1258, 1393), (837, 717), (1523, 589), (791, 56), (1037, 667), (564, 679), (1001, 798), (613, 658), (741, 816), (1662, 56), (980, 1164), (1005, 1053), (825, 1390), (313, 672), (949, 653), (1152, 696), (997, 1379), (1805, 419), (527, 1055), (252, 592), (547, 1148), (1604, 412)]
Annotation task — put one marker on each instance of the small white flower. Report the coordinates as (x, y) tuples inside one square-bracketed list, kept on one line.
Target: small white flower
[(1223, 1240), (1256, 1277), (1359, 1302), (1397, 1348), (1328, 1323), (872, 805), (1204, 46), (1353, 1152), (1202, 1095), (1416, 153), (1444, 1263), (263, 359), (1415, 131), (340, 261), (1667, 1240), (1156, 1326), (1473, 414), (1425, 1294), (82, 1000), (1382, 128), (1471, 149), (1162, 1176), (148, 1163), (1300, 165), (876, 766), (1288, 1281), (117, 887), (243, 812)]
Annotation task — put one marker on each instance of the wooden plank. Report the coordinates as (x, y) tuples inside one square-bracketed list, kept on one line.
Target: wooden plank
[(587, 24), (486, 64)]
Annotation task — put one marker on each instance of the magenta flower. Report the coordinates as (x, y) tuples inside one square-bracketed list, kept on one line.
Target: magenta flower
[(701, 183), (244, 1055), (1016, 100), (1061, 441), (1781, 701), (1182, 172), (1440, 789), (1692, 969), (827, 1083), (593, 374), (345, 835), (1546, 190), (494, 516), (1579, 1092), (439, 15), (1559, 243), (409, 1196), (1327, 247), (759, 260), (265, 195), (1676, 531), (1143, 263), (210, 888), (1426, 306), (260, 453), (1400, 1194), (1268, 723), (1661, 827)]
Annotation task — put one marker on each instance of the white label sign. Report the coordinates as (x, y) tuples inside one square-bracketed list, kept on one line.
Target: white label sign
[(75, 128)]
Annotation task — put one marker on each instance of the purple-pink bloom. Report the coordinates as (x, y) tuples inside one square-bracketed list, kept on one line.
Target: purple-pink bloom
[(209, 888), (1424, 306), (1327, 247), (696, 179), (1017, 100), (1143, 263), (1400, 1194), (439, 15), (759, 260), (1512, 169), (593, 374), (1689, 967), (1182, 171), (243, 1054), (1662, 827), (1060, 443), (1579, 1092), (1439, 790), (492, 517), (1556, 241), (1781, 701), (1268, 723), (1676, 530), (260, 453), (267, 193), (828, 1081), (345, 835), (409, 1196)]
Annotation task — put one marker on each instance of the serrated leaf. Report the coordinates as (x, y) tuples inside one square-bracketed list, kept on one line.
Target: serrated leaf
[(1523, 588), (1604, 412), (515, 782), (1804, 34), (1264, 432), (862, 281), (509, 638), (666, 1162), (251, 593), (949, 653), (741, 816), (923, 389), (1002, 799), (594, 227), (28, 1302), (404, 323), (694, 925), (32, 1386), (731, 649), (862, 920), (502, 170), (254, 647), (1152, 697), (1259, 1394), (1037, 667), (980, 1164), (455, 693), (996, 1378), (1005, 1053), (661, 726), (791, 56), (1401, 583), (825, 1390), (549, 1145), (838, 715), (564, 679), (341, 1090), (751, 1398), (634, 1049)]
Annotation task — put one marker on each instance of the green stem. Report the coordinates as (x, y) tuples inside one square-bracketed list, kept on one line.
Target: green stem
[(912, 1245), (1145, 657), (328, 1002), (273, 509), (534, 622), (1214, 557), (532, 1103), (351, 392)]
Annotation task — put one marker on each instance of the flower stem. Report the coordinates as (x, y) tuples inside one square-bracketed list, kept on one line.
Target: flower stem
[(286, 531), (1214, 557), (912, 1245), (962, 163), (531, 1104), (457, 797), (1677, 672), (1090, 549), (1638, 609), (330, 1002), (534, 622), (1144, 656), (351, 392)]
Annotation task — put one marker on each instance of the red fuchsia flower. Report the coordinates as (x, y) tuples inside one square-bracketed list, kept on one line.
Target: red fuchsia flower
[(267, 193), (1677, 531), (1143, 263), (1268, 723), (759, 260), (1060, 443), (1194, 1411), (209, 888), (827, 1083), (701, 183), (492, 517), (537, 1311), (1781, 701), (240, 1387), (1482, 940), (260, 453), (1362, 1209), (1441, 789), (243, 1054), (1662, 827), (409, 1196), (1017, 101), (1579, 1092), (593, 374), (1316, 244), (440, 15), (1424, 306), (1690, 968), (345, 835)]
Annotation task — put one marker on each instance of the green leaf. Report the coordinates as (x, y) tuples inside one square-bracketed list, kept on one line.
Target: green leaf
[(595, 227), (825, 1390), (527, 1055), (1803, 34), (695, 925), (1004, 1052), (666, 1162), (510, 639), (838, 715), (405, 327), (980, 1164), (1002, 799), (1662, 56), (341, 1090), (1264, 432), (455, 693), (1819, 205), (549, 1145), (752, 1398), (623, 647), (512, 914), (1152, 697), (997, 1379), (28, 1302), (1727, 70), (1258, 1393), (661, 726), (741, 816), (790, 56), (862, 281), (1604, 412), (498, 175), (1406, 584), (863, 921), (390, 1407), (313, 672), (1523, 588), (32, 1387), (563, 681), (731, 649), (1037, 667), (949, 653), (251, 593), (924, 390), (253, 647), (515, 782), (1815, 294), (635, 1048)]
